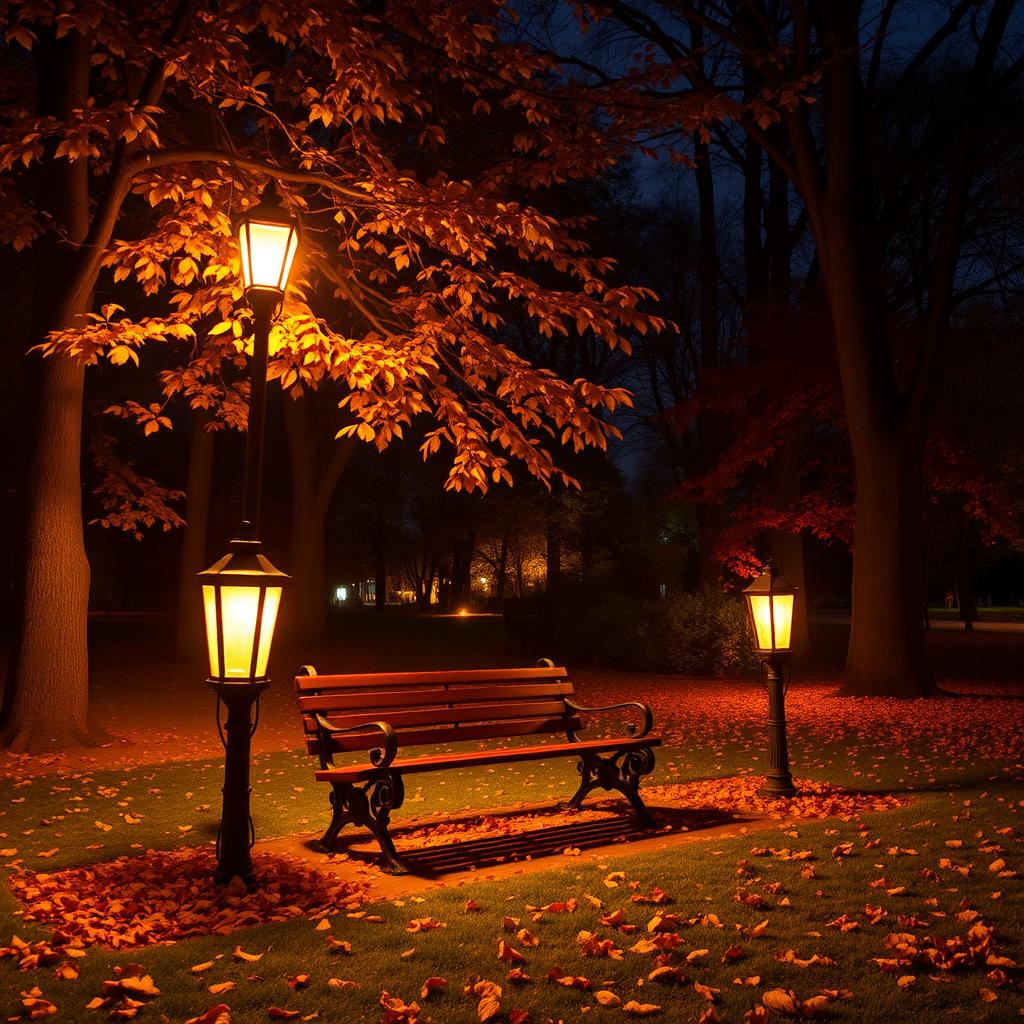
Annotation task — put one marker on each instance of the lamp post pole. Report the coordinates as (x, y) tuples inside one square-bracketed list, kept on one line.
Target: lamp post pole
[(242, 591), (770, 599), (778, 780), (263, 305), (237, 834)]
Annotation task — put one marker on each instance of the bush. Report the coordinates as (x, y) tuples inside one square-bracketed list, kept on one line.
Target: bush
[(705, 633)]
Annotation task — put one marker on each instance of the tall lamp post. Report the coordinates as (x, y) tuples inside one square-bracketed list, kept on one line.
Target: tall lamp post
[(242, 591), (770, 606)]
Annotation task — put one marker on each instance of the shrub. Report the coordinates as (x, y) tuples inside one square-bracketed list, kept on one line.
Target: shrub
[(704, 633)]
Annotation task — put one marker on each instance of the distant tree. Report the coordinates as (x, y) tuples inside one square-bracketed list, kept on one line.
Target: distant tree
[(819, 100), (139, 132)]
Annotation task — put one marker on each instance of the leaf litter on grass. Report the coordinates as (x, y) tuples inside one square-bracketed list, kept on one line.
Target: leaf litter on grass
[(165, 896)]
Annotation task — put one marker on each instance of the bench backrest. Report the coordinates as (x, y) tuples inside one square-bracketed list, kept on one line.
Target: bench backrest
[(436, 707)]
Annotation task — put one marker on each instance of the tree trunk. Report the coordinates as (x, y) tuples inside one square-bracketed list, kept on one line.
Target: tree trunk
[(49, 705), (191, 636), (709, 425), (965, 569), (46, 704), (788, 548), (886, 655), (317, 462), (499, 592), (553, 553), (380, 574)]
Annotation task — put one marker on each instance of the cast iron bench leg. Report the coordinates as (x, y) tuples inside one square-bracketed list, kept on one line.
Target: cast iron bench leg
[(370, 807), (621, 772)]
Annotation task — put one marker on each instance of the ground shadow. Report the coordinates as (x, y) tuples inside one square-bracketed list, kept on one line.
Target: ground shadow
[(502, 847)]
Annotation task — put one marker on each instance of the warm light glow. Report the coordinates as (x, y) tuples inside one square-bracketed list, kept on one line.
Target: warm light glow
[(240, 610), (267, 252), (765, 607), (463, 611)]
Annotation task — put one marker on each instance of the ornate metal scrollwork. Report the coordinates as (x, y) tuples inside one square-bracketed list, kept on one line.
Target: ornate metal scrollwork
[(369, 806), (620, 771)]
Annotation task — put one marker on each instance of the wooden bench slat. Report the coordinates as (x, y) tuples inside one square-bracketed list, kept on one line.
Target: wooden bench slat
[(477, 758), (336, 701), (384, 680), (412, 737), (448, 715)]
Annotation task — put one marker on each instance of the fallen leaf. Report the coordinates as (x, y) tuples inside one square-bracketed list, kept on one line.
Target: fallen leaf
[(635, 1009), (781, 1001), (219, 1014), (509, 955), (430, 985)]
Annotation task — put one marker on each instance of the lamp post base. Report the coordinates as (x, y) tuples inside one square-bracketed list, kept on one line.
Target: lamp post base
[(236, 835)]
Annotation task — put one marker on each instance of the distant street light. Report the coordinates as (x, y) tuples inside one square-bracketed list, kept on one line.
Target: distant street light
[(770, 606), (242, 591)]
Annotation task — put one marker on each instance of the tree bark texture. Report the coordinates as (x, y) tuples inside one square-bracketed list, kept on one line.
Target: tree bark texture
[(47, 704), (887, 424)]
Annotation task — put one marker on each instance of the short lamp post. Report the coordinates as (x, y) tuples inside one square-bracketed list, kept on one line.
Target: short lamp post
[(242, 591), (770, 606)]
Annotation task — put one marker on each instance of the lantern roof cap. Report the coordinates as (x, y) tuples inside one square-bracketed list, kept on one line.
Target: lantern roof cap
[(269, 210), (244, 565), (771, 581)]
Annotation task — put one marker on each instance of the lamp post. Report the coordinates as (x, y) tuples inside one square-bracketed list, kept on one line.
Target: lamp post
[(770, 606), (242, 591)]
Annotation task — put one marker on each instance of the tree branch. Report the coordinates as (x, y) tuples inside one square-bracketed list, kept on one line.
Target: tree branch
[(947, 253)]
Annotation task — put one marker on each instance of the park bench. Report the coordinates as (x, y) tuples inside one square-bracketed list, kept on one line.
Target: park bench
[(385, 712)]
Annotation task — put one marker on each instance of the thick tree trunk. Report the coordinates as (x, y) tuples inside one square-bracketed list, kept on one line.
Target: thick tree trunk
[(191, 632), (49, 704), (46, 705), (886, 655)]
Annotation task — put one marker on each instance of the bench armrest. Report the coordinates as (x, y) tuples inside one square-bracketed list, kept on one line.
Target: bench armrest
[(380, 757), (636, 732)]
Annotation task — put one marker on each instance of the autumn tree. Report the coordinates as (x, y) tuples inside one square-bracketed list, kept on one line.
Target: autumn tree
[(827, 73), (146, 129)]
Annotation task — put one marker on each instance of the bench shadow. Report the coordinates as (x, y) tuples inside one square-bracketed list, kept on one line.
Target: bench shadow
[(567, 832)]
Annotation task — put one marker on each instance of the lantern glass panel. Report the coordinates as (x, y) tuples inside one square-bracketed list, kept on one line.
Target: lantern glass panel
[(240, 607), (763, 609), (267, 253)]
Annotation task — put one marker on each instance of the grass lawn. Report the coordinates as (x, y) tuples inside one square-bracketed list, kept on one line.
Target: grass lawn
[(912, 913)]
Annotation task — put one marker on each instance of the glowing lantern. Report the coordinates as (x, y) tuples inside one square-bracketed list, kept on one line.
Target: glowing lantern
[(268, 238), (241, 598), (770, 606)]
